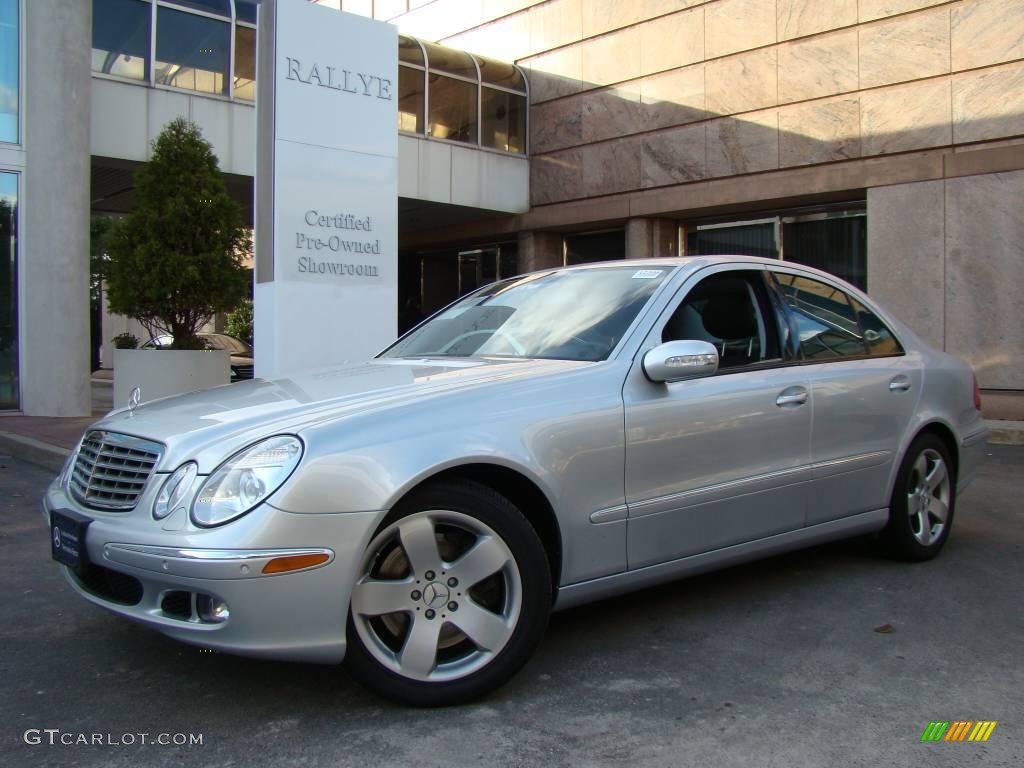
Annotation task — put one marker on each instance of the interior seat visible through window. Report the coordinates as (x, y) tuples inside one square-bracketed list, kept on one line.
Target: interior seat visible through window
[(728, 310)]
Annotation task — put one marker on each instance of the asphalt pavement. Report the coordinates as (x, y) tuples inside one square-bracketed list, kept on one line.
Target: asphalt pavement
[(833, 656)]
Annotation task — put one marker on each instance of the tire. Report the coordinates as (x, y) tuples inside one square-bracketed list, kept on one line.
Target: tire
[(923, 501), (452, 598)]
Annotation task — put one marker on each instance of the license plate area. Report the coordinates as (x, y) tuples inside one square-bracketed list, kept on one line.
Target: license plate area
[(67, 539)]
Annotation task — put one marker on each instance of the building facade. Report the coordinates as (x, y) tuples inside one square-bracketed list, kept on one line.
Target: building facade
[(882, 140), (878, 139)]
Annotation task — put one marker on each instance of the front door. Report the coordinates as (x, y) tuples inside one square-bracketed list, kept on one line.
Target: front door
[(725, 459)]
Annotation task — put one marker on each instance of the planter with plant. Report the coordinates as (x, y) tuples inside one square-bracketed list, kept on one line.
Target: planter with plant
[(174, 262)]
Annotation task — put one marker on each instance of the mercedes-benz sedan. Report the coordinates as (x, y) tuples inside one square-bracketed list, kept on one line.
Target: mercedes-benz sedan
[(548, 440)]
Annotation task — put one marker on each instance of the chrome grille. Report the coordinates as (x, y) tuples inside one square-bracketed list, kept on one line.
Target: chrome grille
[(112, 469)]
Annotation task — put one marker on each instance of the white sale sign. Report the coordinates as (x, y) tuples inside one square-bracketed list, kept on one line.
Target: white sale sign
[(326, 187)]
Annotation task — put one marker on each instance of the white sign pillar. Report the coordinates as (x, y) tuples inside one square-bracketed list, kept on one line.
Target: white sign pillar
[(326, 243)]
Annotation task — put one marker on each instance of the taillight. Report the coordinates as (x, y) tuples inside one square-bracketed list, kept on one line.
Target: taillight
[(977, 393)]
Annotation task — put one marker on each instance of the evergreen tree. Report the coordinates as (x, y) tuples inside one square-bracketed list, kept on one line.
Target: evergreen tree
[(175, 261)]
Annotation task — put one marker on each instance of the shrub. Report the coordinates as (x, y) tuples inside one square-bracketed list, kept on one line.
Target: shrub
[(175, 261)]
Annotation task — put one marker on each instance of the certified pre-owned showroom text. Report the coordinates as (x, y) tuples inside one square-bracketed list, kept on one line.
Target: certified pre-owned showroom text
[(56, 737)]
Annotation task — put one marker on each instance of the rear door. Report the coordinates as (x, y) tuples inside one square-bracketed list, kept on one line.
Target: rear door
[(864, 389), (720, 460)]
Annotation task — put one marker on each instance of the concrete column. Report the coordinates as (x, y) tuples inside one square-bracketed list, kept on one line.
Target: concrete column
[(651, 238), (906, 255), (540, 250), (54, 252)]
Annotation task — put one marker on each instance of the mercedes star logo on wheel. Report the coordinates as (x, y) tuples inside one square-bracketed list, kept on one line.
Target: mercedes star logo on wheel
[(435, 594)]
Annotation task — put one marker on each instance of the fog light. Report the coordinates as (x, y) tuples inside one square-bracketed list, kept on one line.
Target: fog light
[(211, 609)]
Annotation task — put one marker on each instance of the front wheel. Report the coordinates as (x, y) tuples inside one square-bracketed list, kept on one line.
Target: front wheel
[(923, 498), (453, 596)]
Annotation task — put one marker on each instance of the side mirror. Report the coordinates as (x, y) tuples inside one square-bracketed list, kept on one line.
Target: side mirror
[(679, 360)]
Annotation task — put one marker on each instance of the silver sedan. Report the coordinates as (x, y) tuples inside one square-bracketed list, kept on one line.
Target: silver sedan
[(549, 440)]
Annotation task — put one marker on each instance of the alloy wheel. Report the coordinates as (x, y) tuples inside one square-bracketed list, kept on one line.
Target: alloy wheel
[(928, 497), (439, 596)]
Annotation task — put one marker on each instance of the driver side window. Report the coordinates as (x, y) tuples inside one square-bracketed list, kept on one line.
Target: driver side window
[(732, 311)]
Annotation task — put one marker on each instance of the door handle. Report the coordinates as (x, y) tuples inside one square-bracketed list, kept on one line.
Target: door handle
[(791, 396), (899, 384)]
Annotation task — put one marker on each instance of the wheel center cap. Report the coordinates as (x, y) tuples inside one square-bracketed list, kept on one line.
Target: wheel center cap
[(435, 594)]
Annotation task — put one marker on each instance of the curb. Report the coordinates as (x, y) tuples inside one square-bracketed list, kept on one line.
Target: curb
[(34, 451), (1005, 432)]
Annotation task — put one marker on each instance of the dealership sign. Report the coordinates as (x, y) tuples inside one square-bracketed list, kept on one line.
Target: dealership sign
[(326, 187)]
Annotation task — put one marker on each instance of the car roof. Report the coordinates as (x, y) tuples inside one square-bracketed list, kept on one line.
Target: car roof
[(696, 262)]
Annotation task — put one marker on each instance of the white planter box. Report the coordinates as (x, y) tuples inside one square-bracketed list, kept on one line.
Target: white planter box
[(160, 373)]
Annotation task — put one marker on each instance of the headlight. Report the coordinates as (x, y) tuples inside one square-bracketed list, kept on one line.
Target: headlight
[(246, 479), (174, 490)]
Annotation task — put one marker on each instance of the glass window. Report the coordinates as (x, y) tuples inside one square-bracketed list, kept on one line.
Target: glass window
[(9, 84), (8, 290), (826, 321), (409, 50), (595, 246), (837, 245), (120, 38), (191, 51), (730, 310), (452, 109), (740, 240), (451, 61), (245, 10), (220, 7), (566, 314), (879, 339), (410, 99), (245, 63), (504, 120), (500, 73)]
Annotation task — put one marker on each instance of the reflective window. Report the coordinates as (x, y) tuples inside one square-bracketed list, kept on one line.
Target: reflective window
[(245, 63), (586, 247), (410, 99), (451, 61), (878, 338), (191, 51), (409, 51), (826, 321), (504, 120), (120, 38), (245, 10), (835, 244), (9, 86), (739, 240), (501, 73), (8, 290), (452, 109), (220, 7)]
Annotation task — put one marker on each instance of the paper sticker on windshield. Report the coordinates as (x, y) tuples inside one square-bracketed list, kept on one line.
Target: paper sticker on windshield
[(646, 274)]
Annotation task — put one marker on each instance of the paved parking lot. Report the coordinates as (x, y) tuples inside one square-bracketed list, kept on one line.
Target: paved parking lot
[(771, 664)]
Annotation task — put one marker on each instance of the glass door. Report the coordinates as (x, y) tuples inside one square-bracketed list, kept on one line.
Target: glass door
[(8, 290)]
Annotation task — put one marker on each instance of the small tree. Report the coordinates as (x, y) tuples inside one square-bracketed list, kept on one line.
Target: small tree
[(239, 322), (175, 261)]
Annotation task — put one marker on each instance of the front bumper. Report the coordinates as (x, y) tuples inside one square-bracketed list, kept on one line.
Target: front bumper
[(299, 615)]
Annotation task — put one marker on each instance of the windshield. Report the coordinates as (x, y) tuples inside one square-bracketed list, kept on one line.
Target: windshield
[(578, 314)]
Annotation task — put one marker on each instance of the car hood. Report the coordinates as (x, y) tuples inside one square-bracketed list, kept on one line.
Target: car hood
[(210, 424)]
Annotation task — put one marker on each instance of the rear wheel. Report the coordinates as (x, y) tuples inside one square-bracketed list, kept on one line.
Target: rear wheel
[(923, 499), (453, 596)]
